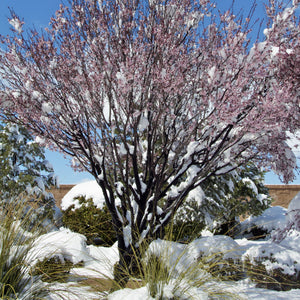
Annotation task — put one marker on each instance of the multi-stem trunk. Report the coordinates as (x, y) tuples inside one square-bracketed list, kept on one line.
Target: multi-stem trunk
[(129, 264), (131, 252)]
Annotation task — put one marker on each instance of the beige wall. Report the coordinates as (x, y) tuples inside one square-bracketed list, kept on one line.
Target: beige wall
[(282, 194), (60, 192)]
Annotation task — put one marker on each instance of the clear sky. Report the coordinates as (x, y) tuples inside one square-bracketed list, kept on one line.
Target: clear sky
[(38, 13)]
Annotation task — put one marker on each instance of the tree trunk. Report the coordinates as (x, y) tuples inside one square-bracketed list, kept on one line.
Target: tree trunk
[(129, 263), (121, 272)]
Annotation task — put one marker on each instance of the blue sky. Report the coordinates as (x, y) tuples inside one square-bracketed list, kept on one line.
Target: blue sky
[(38, 13)]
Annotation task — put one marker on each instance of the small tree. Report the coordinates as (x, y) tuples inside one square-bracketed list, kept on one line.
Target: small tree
[(154, 97), (239, 193), (24, 169), (220, 201)]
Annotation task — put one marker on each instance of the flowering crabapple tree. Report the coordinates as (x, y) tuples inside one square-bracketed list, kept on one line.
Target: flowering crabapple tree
[(153, 97)]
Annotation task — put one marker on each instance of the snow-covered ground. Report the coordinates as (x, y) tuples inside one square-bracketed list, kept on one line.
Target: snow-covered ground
[(99, 261)]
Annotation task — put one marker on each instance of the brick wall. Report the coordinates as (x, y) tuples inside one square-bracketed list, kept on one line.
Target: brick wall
[(282, 194)]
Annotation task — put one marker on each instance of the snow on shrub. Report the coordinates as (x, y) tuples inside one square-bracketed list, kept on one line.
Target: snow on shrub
[(89, 190), (215, 245), (273, 266), (185, 255), (64, 244), (216, 255), (85, 212), (275, 256), (291, 230), (280, 258), (67, 246), (271, 219)]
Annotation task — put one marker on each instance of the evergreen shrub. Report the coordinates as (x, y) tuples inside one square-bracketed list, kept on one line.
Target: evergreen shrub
[(94, 223), (26, 174), (219, 202)]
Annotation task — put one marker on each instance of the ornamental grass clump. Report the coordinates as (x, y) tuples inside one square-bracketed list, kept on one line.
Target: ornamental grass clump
[(53, 269), (172, 274), (170, 270), (16, 239)]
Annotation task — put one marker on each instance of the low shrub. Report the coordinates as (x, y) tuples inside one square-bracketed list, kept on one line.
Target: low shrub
[(94, 223), (274, 279), (273, 266)]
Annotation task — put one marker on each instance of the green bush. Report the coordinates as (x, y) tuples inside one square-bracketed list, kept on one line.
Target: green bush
[(24, 169), (26, 175), (92, 222), (228, 197), (185, 228)]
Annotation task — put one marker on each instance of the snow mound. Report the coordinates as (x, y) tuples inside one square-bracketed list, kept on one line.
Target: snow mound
[(89, 190), (181, 257), (100, 263), (272, 218), (63, 243), (213, 245)]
